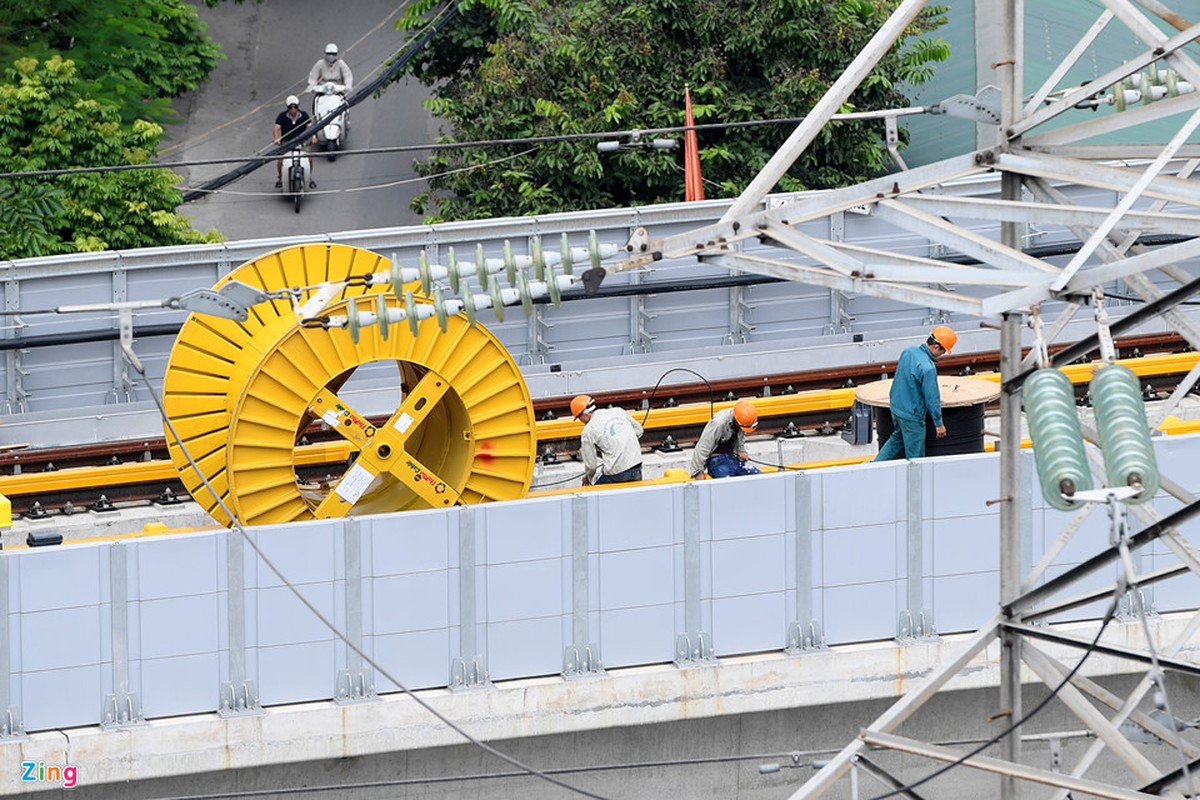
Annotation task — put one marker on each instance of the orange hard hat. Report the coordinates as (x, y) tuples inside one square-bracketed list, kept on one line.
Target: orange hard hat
[(582, 404), (944, 336), (745, 415)]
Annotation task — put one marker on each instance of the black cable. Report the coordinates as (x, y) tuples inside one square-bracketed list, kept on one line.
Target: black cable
[(354, 99), (1108, 615), (661, 378), (557, 483), (325, 620), (476, 144)]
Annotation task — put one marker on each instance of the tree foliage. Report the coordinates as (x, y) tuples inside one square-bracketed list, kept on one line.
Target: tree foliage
[(137, 54), (87, 83), (48, 120), (526, 68)]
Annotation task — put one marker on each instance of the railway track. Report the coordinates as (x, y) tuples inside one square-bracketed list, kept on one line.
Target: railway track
[(105, 477)]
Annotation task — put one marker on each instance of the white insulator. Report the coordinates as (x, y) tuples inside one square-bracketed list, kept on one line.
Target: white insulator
[(1183, 87), (366, 318), (482, 300), (452, 306), (407, 275), (424, 311), (581, 254), (538, 289), (510, 296), (1132, 96)]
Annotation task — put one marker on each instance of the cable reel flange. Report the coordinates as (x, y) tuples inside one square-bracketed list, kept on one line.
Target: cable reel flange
[(241, 394)]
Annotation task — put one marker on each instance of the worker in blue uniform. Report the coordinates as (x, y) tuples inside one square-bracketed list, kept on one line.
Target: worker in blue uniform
[(914, 395)]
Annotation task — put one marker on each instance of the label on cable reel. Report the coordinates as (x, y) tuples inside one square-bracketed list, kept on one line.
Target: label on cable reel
[(354, 483), (403, 422)]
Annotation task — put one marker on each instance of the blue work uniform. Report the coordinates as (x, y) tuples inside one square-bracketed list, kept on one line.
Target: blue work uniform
[(914, 395)]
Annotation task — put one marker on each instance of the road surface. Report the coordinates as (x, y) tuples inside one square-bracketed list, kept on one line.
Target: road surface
[(270, 47)]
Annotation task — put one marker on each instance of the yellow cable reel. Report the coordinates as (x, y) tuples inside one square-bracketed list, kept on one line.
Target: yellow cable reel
[(240, 395)]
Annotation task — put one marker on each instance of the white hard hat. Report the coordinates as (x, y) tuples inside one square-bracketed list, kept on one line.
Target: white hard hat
[(292, 100), (331, 48)]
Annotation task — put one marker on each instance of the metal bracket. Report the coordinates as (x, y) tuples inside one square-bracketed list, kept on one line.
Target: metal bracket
[(582, 664), (240, 700), (354, 687), (231, 301), (1127, 609), (471, 674), (805, 638), (12, 727), (982, 107), (121, 711), (694, 651), (920, 630)]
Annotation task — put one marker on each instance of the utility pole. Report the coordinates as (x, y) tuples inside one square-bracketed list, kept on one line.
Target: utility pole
[(1008, 67)]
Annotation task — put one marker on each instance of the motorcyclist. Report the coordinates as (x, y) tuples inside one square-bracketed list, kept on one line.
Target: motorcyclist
[(330, 69), (289, 127)]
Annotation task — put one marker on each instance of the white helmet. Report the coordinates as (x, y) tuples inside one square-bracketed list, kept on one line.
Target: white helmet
[(292, 100), (331, 49)]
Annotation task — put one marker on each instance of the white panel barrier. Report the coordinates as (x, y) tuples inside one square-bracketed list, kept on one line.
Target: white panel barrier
[(112, 633)]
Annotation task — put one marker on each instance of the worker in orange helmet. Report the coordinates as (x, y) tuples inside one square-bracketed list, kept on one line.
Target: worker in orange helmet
[(721, 450), (914, 395), (609, 443)]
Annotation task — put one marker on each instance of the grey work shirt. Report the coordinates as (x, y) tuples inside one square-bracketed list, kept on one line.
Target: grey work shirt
[(720, 429)]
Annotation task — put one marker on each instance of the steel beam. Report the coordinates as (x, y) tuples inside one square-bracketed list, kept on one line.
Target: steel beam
[(834, 97), (895, 716), (1128, 653), (1005, 768)]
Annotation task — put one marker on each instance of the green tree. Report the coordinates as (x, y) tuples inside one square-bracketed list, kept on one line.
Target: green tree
[(137, 54), (48, 120), (525, 68)]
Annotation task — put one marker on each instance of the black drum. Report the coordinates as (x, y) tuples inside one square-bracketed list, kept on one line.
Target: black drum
[(964, 430)]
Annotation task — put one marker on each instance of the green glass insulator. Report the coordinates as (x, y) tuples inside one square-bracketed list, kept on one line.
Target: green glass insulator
[(1058, 452), (1124, 433)]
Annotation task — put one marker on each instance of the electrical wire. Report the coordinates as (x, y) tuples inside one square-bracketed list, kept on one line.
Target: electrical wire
[(661, 378), (136, 363), (1157, 675), (1108, 616), (477, 144), (208, 134), (372, 187), (442, 779), (557, 483), (447, 13)]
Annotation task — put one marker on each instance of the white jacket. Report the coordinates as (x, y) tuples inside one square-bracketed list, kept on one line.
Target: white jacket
[(609, 443), (324, 72)]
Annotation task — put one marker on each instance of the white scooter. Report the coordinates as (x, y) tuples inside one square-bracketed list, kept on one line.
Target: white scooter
[(297, 168), (328, 98)]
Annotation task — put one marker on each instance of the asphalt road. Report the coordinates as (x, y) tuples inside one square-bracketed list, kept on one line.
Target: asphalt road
[(270, 46)]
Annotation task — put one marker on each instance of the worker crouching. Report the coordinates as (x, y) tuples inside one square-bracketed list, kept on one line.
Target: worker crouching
[(721, 451), (609, 443)]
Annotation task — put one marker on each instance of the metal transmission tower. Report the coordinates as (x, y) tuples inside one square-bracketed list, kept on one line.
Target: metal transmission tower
[(1133, 215)]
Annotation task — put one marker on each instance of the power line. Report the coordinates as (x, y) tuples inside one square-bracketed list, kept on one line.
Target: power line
[(479, 144), (136, 363), (1109, 613)]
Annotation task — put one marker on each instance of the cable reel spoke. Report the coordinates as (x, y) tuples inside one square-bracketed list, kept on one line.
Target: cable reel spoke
[(341, 418)]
